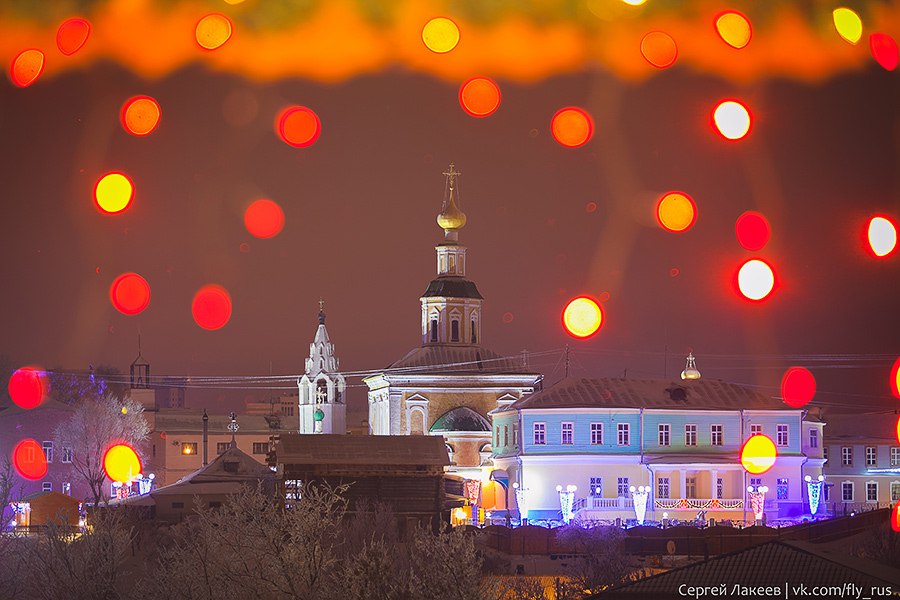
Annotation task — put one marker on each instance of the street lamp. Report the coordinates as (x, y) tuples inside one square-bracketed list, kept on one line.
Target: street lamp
[(522, 503), (757, 500), (639, 496), (814, 492), (566, 501)]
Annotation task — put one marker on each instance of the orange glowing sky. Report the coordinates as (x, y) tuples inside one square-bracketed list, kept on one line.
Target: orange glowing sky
[(336, 40)]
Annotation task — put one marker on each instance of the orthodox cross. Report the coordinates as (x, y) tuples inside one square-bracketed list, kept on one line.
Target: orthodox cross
[(233, 428), (452, 174), (320, 395)]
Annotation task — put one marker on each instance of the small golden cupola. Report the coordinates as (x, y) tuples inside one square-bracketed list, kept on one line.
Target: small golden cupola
[(690, 368), (451, 219)]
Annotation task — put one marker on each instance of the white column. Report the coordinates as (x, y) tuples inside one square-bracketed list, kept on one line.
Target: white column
[(713, 476), (683, 489)]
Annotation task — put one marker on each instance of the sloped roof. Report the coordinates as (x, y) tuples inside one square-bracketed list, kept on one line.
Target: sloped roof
[(770, 564), (172, 420), (246, 468), (452, 287), (461, 418), (699, 394), (458, 359), (860, 427), (336, 449)]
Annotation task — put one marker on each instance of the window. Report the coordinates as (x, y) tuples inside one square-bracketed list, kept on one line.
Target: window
[(434, 332), (871, 459), (515, 435), (622, 487), (454, 330), (663, 434), (781, 437), (826, 489), (755, 429), (871, 491), (825, 453), (221, 447), (895, 456), (623, 431), (292, 490), (566, 433), (690, 487), (690, 435), (46, 486), (539, 430), (260, 447), (596, 433), (847, 491), (474, 335), (813, 438), (662, 487), (720, 487), (215, 504), (47, 447), (715, 435), (846, 456), (895, 491), (597, 486), (66, 455), (189, 448), (781, 488), (67, 488), (506, 435)]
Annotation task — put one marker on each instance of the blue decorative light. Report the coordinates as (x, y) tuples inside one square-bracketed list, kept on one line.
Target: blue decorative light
[(814, 492)]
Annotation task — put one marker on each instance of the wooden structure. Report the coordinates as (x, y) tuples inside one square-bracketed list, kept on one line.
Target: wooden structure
[(43, 508), (404, 472)]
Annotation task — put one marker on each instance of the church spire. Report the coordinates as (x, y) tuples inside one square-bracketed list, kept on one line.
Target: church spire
[(451, 219), (322, 386)]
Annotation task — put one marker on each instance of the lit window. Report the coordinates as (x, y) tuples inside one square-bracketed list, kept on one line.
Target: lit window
[(690, 435), (622, 486), (662, 487), (67, 488), (48, 451), (663, 434), (566, 433), (623, 430), (596, 433), (715, 435), (846, 456), (781, 437), (871, 491), (871, 459), (847, 491), (895, 491), (813, 438), (539, 434), (781, 489), (756, 481), (189, 448), (260, 447), (46, 486)]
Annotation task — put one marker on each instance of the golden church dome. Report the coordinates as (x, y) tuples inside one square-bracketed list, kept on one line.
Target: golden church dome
[(451, 217)]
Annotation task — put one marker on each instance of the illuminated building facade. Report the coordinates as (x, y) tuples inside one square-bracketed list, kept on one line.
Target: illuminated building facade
[(449, 384), (680, 439), (322, 405)]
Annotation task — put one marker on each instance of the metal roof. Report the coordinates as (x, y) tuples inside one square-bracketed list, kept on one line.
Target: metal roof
[(461, 418), (698, 394), (452, 287), (336, 449), (458, 358)]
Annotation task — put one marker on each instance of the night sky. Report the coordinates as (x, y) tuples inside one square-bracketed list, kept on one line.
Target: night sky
[(360, 206)]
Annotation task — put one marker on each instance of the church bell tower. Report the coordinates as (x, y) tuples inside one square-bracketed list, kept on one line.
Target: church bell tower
[(322, 404)]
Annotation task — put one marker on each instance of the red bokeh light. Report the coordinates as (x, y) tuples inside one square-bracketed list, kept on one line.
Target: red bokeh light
[(140, 115), (895, 379), (29, 460), (211, 307), (752, 230), (884, 50), (895, 517), (26, 67), (479, 97), (572, 127), (129, 293), (72, 35), (659, 49), (798, 386), (298, 126), (27, 387), (264, 218)]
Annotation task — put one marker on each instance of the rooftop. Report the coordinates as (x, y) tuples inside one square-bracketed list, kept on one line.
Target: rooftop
[(458, 359), (335, 449)]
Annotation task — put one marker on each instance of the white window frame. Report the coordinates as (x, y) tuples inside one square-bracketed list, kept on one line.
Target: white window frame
[(46, 486), (755, 429), (713, 432), (782, 481), (868, 498), (813, 438), (567, 427), (782, 435), (895, 491), (846, 456), (895, 456), (720, 487), (66, 455), (690, 483), (67, 488), (47, 448), (596, 434), (852, 491), (539, 427), (690, 434), (664, 434), (623, 434), (871, 457)]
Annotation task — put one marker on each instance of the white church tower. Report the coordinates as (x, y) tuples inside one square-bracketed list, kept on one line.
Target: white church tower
[(322, 387)]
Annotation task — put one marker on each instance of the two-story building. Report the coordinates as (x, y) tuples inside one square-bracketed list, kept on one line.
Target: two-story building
[(680, 439)]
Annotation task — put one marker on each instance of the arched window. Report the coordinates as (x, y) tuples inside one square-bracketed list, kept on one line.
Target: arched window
[(474, 333), (454, 330), (434, 331)]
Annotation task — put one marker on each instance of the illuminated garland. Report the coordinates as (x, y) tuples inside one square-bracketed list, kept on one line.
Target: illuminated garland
[(814, 491), (471, 488), (690, 503)]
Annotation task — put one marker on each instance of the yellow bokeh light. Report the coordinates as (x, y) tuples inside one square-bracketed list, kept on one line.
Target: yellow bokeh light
[(882, 235), (676, 212), (848, 24), (121, 463), (113, 192), (213, 30), (734, 29), (758, 454), (634, 2), (732, 119), (582, 317), (440, 35), (756, 280)]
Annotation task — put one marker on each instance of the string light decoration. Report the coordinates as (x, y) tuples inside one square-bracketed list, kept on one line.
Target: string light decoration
[(639, 495), (692, 504), (814, 492), (566, 501), (522, 502), (757, 500), (471, 487)]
